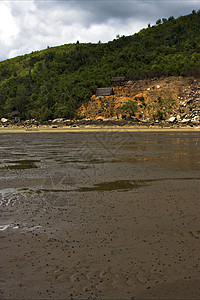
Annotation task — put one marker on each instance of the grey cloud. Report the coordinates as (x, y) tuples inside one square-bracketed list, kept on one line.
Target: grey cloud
[(49, 23), (95, 11), (99, 12)]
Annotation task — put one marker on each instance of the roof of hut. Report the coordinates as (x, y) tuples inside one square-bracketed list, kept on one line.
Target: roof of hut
[(120, 78), (104, 92)]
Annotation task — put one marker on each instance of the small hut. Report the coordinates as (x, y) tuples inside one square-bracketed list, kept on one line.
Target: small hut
[(104, 92), (116, 81)]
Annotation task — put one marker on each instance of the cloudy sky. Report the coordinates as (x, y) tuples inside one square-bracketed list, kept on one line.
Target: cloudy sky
[(30, 25)]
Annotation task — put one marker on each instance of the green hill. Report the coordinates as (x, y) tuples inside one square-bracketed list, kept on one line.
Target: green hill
[(54, 82)]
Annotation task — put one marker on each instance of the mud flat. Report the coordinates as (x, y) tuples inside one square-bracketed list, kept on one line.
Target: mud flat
[(108, 215)]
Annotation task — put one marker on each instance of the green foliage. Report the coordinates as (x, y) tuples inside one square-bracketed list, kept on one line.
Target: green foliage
[(56, 81), (159, 115), (141, 99), (158, 22), (130, 107)]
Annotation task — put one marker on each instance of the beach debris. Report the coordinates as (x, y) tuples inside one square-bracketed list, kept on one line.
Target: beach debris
[(183, 103), (185, 120), (195, 120), (58, 120), (4, 120), (172, 119)]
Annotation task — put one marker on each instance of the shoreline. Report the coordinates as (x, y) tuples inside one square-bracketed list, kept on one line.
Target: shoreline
[(45, 129)]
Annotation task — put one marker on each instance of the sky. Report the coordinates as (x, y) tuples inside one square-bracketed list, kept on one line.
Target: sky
[(31, 25)]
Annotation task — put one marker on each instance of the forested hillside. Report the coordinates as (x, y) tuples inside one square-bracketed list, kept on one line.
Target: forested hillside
[(55, 82)]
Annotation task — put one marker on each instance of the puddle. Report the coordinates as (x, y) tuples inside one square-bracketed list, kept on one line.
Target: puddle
[(113, 186), (3, 193), (33, 228), (125, 185), (4, 227), (103, 186), (6, 191), (119, 185), (20, 165)]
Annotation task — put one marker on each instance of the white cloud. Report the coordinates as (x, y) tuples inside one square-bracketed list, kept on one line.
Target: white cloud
[(26, 26), (8, 26)]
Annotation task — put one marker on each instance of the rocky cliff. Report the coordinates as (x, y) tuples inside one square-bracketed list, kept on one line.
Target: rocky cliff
[(171, 99)]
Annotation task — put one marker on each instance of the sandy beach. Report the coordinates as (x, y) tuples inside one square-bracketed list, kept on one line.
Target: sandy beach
[(90, 128), (100, 214)]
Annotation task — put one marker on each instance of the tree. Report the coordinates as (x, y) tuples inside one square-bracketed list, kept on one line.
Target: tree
[(164, 20), (158, 22), (171, 18), (160, 115), (130, 107)]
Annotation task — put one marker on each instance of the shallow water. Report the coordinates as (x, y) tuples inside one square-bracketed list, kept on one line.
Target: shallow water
[(19, 164), (100, 215), (61, 168), (3, 193), (172, 150)]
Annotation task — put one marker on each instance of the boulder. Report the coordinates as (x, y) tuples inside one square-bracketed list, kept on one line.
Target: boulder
[(145, 120), (182, 103), (195, 120), (185, 121), (172, 119), (4, 120), (58, 120)]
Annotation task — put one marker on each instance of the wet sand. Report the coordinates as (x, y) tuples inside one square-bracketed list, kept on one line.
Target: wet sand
[(100, 215), (103, 128)]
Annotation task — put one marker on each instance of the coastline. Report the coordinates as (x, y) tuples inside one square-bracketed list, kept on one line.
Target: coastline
[(88, 128)]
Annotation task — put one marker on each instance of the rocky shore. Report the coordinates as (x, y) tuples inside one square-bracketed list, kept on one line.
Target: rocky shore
[(171, 102), (84, 123)]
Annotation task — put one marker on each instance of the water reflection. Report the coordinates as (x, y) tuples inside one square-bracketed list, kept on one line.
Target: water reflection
[(168, 150)]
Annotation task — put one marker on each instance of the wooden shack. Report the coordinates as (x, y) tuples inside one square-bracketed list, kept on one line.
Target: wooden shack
[(116, 81), (104, 92)]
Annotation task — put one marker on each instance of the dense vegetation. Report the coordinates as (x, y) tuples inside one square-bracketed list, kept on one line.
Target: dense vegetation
[(54, 82)]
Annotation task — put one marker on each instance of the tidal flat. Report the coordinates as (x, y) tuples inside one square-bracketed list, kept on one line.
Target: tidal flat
[(100, 215)]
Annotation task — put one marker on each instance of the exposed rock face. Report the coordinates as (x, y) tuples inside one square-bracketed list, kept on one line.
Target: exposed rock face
[(171, 101), (175, 99)]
